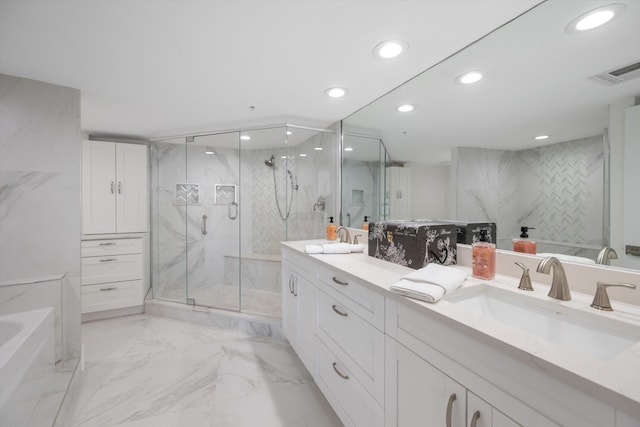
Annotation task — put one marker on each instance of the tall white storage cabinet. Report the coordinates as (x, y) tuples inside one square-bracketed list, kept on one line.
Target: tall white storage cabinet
[(114, 223), (114, 188)]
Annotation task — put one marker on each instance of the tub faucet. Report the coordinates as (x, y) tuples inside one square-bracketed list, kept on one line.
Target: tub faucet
[(606, 255), (344, 237), (559, 286)]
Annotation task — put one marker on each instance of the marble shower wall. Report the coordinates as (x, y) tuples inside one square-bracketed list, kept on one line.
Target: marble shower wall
[(558, 189), (40, 219)]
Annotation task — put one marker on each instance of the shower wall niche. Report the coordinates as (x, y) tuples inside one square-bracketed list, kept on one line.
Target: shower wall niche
[(221, 205)]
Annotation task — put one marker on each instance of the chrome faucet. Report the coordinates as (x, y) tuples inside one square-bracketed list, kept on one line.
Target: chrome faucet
[(559, 286), (605, 255), (344, 237)]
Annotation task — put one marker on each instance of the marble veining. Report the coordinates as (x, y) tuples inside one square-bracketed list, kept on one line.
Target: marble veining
[(150, 371)]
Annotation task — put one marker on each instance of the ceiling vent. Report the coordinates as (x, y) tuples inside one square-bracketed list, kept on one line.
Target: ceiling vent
[(619, 75)]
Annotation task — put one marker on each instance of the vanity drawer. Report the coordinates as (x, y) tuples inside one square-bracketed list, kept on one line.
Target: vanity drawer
[(347, 396), (368, 304), (355, 341), (111, 247), (111, 268), (109, 296)]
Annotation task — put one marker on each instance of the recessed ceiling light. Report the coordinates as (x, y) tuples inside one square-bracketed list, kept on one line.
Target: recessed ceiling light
[(470, 77), (283, 157), (390, 49), (595, 18), (302, 155), (289, 132), (209, 152), (245, 137), (541, 137), (335, 92), (348, 148), (405, 108), (318, 148)]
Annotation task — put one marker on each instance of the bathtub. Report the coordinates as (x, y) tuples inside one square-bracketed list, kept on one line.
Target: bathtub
[(27, 358)]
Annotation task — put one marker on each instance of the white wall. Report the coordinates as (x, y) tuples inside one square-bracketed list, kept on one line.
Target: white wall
[(632, 185)]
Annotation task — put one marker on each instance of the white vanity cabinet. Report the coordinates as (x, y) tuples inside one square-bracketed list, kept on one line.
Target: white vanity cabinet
[(112, 274), (114, 187), (298, 307)]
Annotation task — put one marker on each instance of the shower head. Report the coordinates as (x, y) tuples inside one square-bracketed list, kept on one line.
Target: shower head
[(269, 162)]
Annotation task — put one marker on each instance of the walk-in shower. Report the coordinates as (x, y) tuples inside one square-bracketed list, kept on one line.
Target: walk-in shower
[(220, 211)]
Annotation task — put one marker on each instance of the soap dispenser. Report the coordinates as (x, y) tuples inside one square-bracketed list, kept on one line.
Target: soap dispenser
[(524, 244), (483, 257), (331, 229), (365, 224)]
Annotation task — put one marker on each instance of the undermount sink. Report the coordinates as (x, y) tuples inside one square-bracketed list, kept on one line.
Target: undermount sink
[(589, 334)]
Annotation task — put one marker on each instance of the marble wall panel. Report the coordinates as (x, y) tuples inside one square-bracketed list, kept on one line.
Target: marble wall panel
[(40, 217)]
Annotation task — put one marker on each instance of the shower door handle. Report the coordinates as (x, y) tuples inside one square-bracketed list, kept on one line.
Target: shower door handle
[(232, 210), (204, 225)]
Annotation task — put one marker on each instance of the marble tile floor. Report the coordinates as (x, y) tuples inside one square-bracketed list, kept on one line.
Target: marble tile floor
[(254, 301), (151, 371)]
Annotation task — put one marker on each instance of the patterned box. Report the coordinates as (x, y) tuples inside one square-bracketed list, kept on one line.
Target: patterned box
[(413, 244)]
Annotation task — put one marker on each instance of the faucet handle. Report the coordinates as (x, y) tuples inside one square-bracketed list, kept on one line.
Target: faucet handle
[(525, 280), (601, 299)]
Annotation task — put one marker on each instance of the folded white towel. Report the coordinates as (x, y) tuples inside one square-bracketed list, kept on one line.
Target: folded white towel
[(430, 283), (570, 258)]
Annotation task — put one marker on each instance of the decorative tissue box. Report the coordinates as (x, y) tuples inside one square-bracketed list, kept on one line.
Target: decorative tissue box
[(413, 243), (469, 232)]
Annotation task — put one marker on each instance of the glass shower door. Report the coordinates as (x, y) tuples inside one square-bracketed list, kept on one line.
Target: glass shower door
[(169, 198), (213, 221)]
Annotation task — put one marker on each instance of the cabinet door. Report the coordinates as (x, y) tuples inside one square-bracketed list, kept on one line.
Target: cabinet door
[(131, 188), (289, 308), (98, 187), (418, 394), (306, 314)]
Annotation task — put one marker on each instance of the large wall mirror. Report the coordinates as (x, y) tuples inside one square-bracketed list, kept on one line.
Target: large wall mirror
[(469, 151)]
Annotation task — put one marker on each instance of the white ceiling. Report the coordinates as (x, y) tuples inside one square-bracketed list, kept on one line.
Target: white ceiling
[(155, 68), (536, 83)]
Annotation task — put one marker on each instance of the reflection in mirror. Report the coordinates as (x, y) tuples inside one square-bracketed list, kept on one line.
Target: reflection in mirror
[(363, 161), (477, 142)]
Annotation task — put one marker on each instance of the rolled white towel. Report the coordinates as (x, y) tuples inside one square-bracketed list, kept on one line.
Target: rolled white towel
[(336, 248), (430, 283), (313, 249)]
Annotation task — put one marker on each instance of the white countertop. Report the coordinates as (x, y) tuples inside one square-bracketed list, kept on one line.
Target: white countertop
[(615, 381)]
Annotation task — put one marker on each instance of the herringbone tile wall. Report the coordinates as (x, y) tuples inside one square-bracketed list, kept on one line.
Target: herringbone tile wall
[(558, 189)]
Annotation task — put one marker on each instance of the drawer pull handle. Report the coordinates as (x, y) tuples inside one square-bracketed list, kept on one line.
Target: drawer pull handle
[(106, 244), (111, 187), (295, 286), (290, 284), (119, 187), (343, 376), (338, 311), (339, 282), (108, 259), (452, 399), (108, 289), (474, 419)]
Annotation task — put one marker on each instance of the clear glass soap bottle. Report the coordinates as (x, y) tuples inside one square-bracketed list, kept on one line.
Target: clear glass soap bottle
[(483, 257)]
